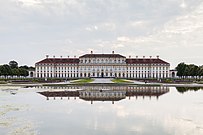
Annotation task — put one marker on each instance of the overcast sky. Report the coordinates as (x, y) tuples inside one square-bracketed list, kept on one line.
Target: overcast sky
[(31, 29)]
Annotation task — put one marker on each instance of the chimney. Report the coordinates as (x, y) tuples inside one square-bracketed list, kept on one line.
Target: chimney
[(47, 56), (113, 52), (68, 56), (91, 52), (74, 56), (54, 56), (61, 56), (136, 57), (143, 57), (130, 56), (150, 57), (157, 56)]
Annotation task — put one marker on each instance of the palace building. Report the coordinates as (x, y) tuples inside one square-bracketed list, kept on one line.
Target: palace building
[(102, 65)]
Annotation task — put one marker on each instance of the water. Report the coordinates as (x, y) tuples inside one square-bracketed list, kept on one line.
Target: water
[(24, 111)]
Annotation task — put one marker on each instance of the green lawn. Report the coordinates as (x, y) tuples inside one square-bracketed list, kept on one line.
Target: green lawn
[(82, 81), (121, 81), (200, 82), (3, 82)]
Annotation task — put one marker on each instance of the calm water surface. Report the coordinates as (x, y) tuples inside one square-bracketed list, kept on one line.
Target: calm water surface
[(174, 112)]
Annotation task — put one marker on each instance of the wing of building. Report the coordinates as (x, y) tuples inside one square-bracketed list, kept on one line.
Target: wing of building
[(102, 65)]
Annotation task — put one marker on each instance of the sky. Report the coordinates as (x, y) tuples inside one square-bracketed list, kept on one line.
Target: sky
[(32, 29)]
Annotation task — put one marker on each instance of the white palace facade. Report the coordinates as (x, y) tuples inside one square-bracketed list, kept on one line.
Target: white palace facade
[(103, 66)]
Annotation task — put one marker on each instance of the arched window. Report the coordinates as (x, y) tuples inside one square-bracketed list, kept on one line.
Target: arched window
[(173, 74), (31, 74)]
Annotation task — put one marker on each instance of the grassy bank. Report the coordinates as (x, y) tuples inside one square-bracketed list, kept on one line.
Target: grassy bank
[(3, 82), (121, 81), (83, 81), (31, 80)]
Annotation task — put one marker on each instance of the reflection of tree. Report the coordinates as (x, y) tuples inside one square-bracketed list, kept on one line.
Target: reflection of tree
[(185, 89)]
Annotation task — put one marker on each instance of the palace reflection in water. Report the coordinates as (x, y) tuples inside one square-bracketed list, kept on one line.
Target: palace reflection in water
[(104, 93), (25, 111)]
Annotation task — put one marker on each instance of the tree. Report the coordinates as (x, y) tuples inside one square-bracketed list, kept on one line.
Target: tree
[(200, 71), (191, 70), (186, 72), (24, 67), (1, 70), (23, 72), (31, 68), (13, 64), (15, 72), (6, 70), (181, 69)]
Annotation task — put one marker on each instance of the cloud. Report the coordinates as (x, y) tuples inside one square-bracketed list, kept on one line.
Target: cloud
[(115, 46), (182, 31), (183, 5), (91, 28), (129, 27), (123, 39)]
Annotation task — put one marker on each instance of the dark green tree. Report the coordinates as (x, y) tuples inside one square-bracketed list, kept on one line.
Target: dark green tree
[(24, 67), (13, 64), (6, 70), (200, 71), (23, 72), (181, 69), (31, 68), (1, 70), (15, 72)]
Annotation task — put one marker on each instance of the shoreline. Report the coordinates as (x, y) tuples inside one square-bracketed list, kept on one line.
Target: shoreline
[(99, 84)]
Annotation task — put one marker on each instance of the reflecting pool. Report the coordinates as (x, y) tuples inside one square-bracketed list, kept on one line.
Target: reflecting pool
[(101, 110)]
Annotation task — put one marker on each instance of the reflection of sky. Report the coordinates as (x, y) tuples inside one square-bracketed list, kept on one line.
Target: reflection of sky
[(173, 113)]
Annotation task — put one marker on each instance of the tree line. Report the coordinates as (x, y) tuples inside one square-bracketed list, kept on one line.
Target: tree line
[(12, 69), (185, 89), (189, 70)]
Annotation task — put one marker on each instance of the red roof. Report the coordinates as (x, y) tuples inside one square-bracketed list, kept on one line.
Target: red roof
[(145, 61), (102, 56), (76, 60), (59, 61)]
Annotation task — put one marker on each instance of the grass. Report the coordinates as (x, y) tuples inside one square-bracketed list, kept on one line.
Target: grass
[(200, 82), (83, 81), (121, 81), (3, 82), (149, 85)]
